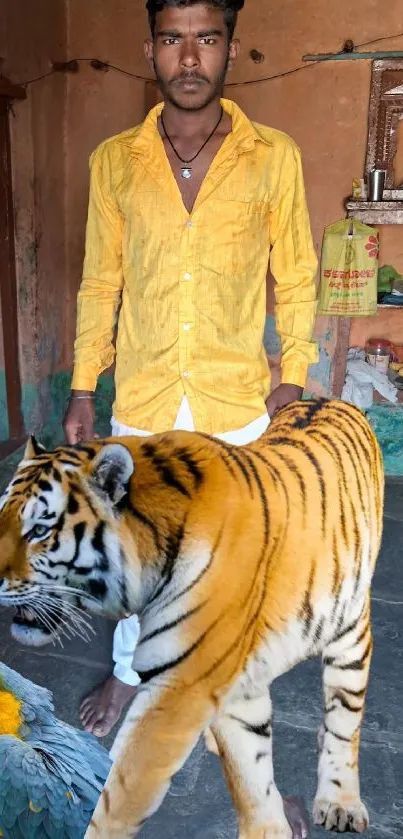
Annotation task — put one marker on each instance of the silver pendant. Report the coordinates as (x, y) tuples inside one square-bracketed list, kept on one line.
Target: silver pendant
[(186, 172)]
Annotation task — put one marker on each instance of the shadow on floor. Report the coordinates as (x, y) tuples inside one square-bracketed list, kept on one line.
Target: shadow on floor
[(197, 805)]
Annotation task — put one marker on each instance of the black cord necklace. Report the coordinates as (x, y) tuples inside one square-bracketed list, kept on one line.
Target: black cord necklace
[(186, 169)]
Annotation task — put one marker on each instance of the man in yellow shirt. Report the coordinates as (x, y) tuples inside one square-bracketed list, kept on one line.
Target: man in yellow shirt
[(184, 211)]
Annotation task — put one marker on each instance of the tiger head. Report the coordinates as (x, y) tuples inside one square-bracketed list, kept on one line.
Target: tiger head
[(61, 545)]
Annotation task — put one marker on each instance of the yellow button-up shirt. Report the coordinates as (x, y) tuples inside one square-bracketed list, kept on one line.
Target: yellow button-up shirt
[(192, 286)]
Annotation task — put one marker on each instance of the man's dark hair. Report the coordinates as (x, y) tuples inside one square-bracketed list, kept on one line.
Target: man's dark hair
[(229, 7)]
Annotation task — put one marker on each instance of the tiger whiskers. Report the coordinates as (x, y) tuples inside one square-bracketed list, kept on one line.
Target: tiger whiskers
[(58, 615), (57, 625), (66, 589), (61, 619), (80, 625), (47, 621)]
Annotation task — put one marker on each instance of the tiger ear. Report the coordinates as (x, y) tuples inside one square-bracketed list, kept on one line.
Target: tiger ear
[(112, 470), (33, 448)]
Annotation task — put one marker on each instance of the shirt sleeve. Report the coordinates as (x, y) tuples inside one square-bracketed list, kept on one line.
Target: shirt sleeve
[(293, 264), (100, 291)]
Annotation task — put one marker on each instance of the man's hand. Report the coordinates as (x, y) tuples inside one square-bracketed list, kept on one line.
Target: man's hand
[(78, 423), (282, 395)]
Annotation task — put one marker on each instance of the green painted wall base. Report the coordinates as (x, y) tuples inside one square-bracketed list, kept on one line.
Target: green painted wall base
[(3, 407), (49, 401), (53, 397)]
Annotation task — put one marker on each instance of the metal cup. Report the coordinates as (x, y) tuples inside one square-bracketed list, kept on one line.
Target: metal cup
[(376, 184)]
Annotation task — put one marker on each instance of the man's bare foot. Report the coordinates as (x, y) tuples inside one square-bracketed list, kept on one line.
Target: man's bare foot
[(297, 816), (101, 709)]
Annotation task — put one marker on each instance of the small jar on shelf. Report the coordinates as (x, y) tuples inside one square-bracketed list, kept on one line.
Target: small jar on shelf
[(377, 353)]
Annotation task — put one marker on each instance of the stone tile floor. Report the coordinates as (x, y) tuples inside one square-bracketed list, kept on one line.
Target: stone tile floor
[(198, 805)]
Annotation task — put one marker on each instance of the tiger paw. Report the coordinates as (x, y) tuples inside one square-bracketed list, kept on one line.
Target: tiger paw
[(334, 815), (271, 830)]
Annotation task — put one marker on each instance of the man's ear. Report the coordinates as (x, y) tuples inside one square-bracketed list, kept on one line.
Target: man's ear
[(33, 448), (234, 52), (112, 470), (149, 52)]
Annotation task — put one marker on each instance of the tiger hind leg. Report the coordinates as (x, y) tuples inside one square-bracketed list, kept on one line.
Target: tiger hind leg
[(346, 663), (243, 732)]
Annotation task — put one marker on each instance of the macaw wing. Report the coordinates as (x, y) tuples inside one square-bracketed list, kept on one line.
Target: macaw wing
[(34, 802), (85, 761), (15, 790)]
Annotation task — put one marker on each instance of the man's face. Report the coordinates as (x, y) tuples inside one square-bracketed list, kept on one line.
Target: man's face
[(190, 55)]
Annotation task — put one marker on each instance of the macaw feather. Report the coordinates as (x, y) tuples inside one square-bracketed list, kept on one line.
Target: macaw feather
[(51, 773)]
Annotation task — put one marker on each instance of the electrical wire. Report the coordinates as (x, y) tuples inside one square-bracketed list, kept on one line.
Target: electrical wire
[(378, 40), (276, 76), (97, 64), (124, 72), (37, 79)]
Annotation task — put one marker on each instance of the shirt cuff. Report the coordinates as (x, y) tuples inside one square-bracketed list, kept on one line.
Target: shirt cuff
[(126, 675), (82, 380), (294, 374)]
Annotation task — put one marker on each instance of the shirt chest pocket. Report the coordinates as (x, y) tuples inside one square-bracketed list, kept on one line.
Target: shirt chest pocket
[(237, 236)]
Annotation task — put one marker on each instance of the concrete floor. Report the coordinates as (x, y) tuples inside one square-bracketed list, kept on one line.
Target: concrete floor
[(198, 805)]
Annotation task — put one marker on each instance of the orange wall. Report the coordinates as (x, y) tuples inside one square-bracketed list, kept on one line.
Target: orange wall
[(324, 107), (387, 324), (99, 105)]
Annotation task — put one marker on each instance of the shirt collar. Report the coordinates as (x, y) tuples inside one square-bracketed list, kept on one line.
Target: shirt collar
[(244, 133)]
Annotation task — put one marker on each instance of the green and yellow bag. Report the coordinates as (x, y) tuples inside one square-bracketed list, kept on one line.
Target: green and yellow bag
[(349, 270)]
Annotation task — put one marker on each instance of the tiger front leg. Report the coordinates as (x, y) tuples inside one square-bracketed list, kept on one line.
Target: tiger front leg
[(338, 804), (159, 732)]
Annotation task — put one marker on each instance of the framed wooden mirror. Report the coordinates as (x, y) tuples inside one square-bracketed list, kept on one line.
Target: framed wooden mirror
[(385, 125)]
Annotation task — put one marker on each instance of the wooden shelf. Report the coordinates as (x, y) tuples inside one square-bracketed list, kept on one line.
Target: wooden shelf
[(376, 212)]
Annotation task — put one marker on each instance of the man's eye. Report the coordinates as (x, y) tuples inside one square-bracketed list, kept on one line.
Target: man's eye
[(39, 530), (169, 41), (209, 41)]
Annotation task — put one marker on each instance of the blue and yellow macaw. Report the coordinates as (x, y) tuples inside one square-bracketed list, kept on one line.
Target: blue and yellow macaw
[(51, 774)]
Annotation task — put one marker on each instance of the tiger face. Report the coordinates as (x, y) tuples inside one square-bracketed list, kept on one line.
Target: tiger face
[(61, 551)]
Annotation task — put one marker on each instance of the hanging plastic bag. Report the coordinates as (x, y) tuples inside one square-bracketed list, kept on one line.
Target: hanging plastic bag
[(349, 270)]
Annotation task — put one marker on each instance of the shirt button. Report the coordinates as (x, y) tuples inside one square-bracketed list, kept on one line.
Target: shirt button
[(186, 327), (189, 223), (185, 374), (187, 276)]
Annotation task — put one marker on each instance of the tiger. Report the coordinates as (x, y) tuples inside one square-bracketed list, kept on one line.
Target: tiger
[(241, 562)]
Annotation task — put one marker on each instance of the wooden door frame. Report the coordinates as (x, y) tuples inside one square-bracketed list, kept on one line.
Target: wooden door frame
[(8, 287)]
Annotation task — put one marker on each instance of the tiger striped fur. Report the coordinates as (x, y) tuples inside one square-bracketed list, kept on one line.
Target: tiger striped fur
[(241, 562)]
